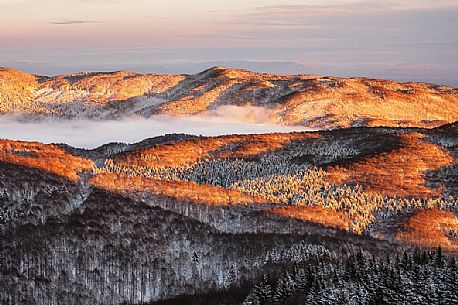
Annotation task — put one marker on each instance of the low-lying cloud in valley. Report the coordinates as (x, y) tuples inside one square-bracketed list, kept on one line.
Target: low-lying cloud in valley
[(91, 134), (246, 114)]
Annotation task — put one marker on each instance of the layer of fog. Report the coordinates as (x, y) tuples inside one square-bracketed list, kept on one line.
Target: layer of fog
[(91, 134)]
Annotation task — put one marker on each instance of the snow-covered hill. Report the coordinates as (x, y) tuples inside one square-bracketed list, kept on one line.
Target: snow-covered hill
[(307, 100)]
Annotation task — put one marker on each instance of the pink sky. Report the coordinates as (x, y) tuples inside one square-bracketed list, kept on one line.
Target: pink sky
[(173, 23), (334, 36)]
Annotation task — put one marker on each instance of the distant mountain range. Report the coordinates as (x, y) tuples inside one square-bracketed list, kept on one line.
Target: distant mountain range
[(306, 100)]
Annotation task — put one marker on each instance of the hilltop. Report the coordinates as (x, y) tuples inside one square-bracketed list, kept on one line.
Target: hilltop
[(306, 100)]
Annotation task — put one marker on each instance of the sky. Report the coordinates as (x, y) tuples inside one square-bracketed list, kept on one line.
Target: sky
[(403, 40)]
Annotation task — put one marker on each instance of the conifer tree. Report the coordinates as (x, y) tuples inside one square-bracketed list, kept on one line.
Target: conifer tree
[(285, 287)]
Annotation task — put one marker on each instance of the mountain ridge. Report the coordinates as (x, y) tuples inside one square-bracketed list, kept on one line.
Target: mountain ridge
[(304, 100)]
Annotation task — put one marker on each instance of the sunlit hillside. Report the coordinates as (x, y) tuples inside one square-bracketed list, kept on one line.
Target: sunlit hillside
[(305, 100)]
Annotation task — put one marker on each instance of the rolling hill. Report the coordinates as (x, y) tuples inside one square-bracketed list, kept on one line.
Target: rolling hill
[(306, 100), (188, 215)]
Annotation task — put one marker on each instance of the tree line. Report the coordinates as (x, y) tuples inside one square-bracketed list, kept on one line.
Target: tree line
[(418, 277)]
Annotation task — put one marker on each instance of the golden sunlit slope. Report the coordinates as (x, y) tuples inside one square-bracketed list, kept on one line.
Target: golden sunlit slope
[(398, 172), (431, 228), (308, 100), (82, 95), (186, 191), (318, 101), (316, 214), (48, 158), (203, 148), (17, 91), (113, 86)]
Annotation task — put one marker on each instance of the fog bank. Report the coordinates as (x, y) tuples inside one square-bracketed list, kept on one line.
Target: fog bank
[(91, 134)]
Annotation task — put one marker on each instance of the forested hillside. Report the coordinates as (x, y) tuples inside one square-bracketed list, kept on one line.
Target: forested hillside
[(419, 277), (298, 217)]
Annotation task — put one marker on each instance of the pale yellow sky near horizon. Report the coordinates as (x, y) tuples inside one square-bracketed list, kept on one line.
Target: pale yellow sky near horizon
[(114, 22)]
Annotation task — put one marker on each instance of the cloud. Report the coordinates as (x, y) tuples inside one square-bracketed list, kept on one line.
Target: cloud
[(244, 114), (131, 130), (67, 22), (216, 36)]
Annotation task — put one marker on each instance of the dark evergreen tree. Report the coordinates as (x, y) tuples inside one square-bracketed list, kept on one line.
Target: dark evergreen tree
[(378, 298), (407, 279), (260, 294), (439, 258), (285, 287), (451, 278)]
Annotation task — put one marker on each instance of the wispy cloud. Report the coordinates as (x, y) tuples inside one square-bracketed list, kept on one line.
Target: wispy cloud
[(218, 37), (324, 8), (68, 22)]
